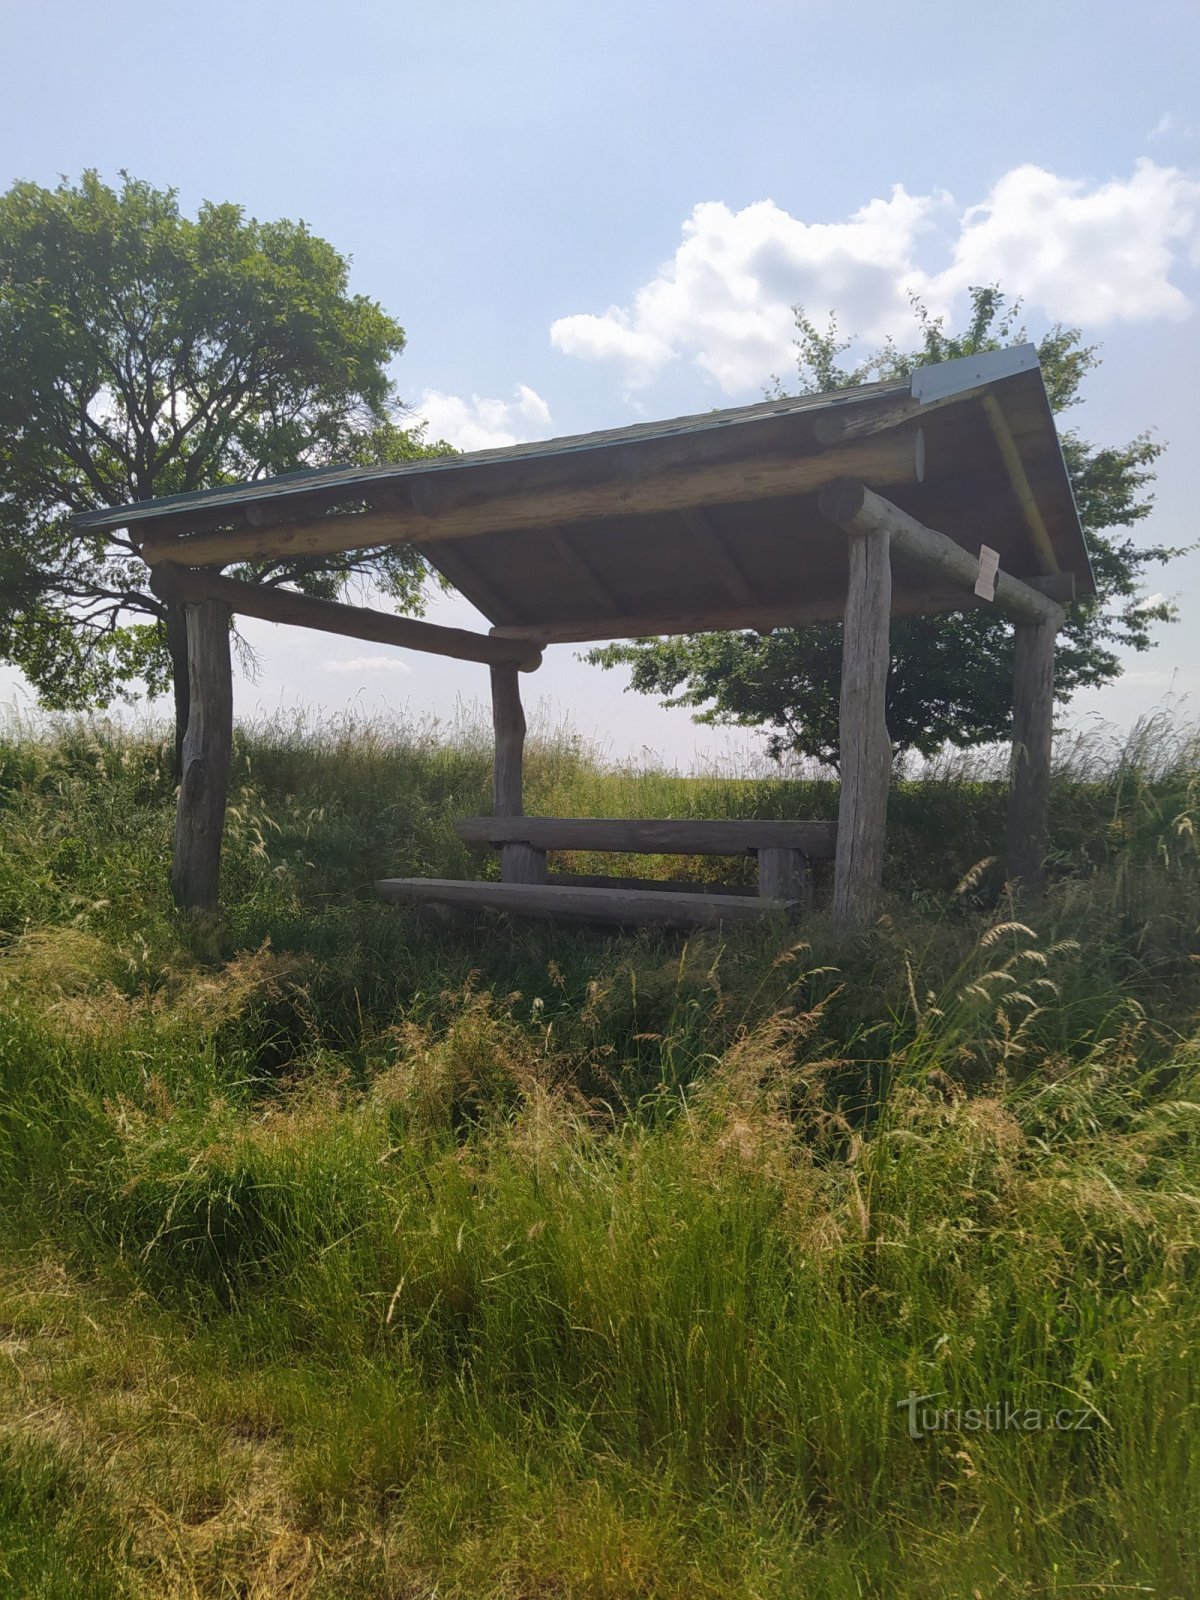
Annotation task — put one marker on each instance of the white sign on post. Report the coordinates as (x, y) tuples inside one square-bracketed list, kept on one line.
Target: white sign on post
[(989, 562)]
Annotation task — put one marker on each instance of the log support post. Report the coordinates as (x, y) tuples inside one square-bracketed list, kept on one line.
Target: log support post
[(871, 522), (519, 861), (866, 753), (785, 874), (204, 784), (1029, 769)]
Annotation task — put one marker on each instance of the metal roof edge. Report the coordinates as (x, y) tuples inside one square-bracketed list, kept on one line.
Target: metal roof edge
[(949, 378)]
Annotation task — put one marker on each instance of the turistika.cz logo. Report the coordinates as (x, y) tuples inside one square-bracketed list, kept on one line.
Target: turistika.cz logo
[(998, 1416)]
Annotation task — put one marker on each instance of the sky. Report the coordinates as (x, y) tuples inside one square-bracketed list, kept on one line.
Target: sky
[(588, 215)]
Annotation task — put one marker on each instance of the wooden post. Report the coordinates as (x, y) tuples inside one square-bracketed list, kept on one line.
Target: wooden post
[(784, 875), (866, 754), (200, 814), (519, 861), (1029, 769)]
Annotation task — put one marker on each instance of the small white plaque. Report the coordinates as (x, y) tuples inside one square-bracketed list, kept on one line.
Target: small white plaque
[(985, 583)]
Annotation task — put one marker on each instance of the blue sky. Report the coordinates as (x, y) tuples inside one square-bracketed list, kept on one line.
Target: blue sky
[(584, 214)]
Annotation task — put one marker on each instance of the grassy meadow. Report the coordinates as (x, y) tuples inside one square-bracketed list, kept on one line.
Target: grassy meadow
[(349, 1253)]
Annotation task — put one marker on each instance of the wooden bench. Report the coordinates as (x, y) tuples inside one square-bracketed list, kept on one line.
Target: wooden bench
[(784, 851)]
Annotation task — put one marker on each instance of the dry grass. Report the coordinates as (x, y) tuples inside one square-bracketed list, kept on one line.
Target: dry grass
[(342, 1256)]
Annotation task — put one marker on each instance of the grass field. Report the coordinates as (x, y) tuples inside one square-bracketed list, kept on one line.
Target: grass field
[(347, 1254)]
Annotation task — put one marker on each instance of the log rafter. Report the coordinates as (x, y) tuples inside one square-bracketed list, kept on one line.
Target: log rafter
[(859, 510), (185, 586)]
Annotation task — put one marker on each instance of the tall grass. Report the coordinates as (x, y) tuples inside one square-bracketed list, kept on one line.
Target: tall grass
[(348, 1254)]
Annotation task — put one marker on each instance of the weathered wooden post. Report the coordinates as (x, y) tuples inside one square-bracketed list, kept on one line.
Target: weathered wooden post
[(784, 874), (1029, 767), (519, 861), (204, 785), (866, 752)]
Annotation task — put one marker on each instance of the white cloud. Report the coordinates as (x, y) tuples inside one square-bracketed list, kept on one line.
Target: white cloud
[(1073, 250), (1169, 125), (725, 297), (368, 664), (483, 424), (1094, 255)]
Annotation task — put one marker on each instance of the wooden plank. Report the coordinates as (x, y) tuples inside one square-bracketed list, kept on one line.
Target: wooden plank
[(182, 585), (859, 510), (763, 618), (1029, 770), (612, 906), (651, 836), (785, 875), (845, 422), (508, 721), (1031, 513), (841, 423), (888, 458), (866, 753), (603, 880), (207, 744), (716, 551)]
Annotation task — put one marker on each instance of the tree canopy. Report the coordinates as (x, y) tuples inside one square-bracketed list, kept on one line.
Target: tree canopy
[(148, 353), (950, 680)]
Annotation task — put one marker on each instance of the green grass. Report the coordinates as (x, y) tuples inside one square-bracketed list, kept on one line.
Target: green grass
[(346, 1254)]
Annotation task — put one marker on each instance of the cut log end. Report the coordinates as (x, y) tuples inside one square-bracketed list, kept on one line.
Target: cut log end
[(842, 501)]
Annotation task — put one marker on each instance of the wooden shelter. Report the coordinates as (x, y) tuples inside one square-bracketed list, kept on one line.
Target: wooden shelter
[(939, 493)]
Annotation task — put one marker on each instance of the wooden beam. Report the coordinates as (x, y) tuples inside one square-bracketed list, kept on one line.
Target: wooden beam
[(859, 510), (207, 744), (1029, 769), (450, 559), (763, 618), (182, 585), (1057, 586), (1031, 512), (613, 906), (582, 568), (865, 751), (651, 836), (581, 630), (889, 458), (717, 552)]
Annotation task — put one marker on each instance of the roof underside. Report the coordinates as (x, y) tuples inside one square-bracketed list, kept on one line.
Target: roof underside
[(704, 520)]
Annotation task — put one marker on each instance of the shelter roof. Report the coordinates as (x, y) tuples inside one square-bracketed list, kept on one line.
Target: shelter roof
[(706, 521)]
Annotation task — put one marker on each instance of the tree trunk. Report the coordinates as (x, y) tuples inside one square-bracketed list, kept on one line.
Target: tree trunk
[(177, 649), (200, 812)]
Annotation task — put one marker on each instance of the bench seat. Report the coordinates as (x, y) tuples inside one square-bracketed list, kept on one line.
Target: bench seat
[(571, 903)]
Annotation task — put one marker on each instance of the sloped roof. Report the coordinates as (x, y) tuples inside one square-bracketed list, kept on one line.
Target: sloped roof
[(703, 521)]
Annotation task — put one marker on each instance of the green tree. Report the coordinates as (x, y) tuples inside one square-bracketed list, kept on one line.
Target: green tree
[(146, 353), (950, 678)]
